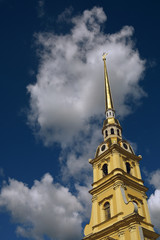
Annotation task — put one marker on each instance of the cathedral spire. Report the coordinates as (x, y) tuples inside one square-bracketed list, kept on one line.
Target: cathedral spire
[(119, 201), (109, 109)]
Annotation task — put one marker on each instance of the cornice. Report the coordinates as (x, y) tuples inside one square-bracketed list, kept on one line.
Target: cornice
[(127, 181), (110, 175), (150, 234), (122, 224), (119, 150)]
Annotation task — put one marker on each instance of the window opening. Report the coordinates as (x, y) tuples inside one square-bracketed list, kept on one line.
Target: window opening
[(103, 148), (118, 132), (112, 131), (105, 169), (128, 167), (107, 211), (125, 146), (106, 133)]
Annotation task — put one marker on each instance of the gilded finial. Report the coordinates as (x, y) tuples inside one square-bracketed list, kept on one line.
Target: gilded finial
[(108, 96), (104, 56)]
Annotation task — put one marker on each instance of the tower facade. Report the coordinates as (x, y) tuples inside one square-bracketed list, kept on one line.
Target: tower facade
[(119, 201)]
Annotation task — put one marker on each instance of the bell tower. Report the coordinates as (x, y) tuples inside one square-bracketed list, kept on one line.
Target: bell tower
[(119, 201)]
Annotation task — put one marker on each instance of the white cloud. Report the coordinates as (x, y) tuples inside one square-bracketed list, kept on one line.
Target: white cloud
[(68, 95), (69, 87), (85, 199), (45, 209), (154, 178), (65, 16), (154, 199), (154, 208), (40, 8), (66, 102), (76, 158)]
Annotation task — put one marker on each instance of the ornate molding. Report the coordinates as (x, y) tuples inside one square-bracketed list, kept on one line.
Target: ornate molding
[(99, 165), (94, 198), (133, 164), (114, 151), (132, 228), (134, 198), (125, 159), (120, 234), (119, 184), (107, 159), (94, 166), (145, 196), (106, 198)]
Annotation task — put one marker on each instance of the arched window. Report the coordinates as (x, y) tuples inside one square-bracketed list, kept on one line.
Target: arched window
[(106, 133), (118, 132), (107, 212), (112, 131), (128, 167), (105, 169)]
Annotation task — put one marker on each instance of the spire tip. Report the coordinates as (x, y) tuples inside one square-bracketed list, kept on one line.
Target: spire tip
[(104, 56)]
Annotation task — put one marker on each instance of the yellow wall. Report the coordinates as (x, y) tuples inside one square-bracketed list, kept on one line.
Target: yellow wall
[(116, 188)]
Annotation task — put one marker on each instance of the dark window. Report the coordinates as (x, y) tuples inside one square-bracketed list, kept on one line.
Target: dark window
[(125, 146), (112, 131), (118, 132), (107, 211), (103, 148), (105, 169), (109, 113), (128, 167), (106, 133)]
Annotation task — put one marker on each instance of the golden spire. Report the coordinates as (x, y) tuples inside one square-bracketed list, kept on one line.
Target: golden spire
[(108, 96)]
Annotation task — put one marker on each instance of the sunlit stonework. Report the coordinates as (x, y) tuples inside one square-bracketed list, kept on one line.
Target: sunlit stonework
[(119, 201)]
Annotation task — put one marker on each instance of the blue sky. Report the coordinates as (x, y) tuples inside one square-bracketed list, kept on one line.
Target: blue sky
[(52, 107)]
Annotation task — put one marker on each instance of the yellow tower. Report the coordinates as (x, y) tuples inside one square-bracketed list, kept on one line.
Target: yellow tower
[(119, 201)]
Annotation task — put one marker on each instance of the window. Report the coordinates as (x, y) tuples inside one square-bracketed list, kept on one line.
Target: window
[(125, 146), (118, 132), (109, 113), (128, 167), (103, 148), (107, 211), (112, 131), (105, 169), (106, 133)]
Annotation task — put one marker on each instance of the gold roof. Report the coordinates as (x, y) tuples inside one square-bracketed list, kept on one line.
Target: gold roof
[(108, 96)]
